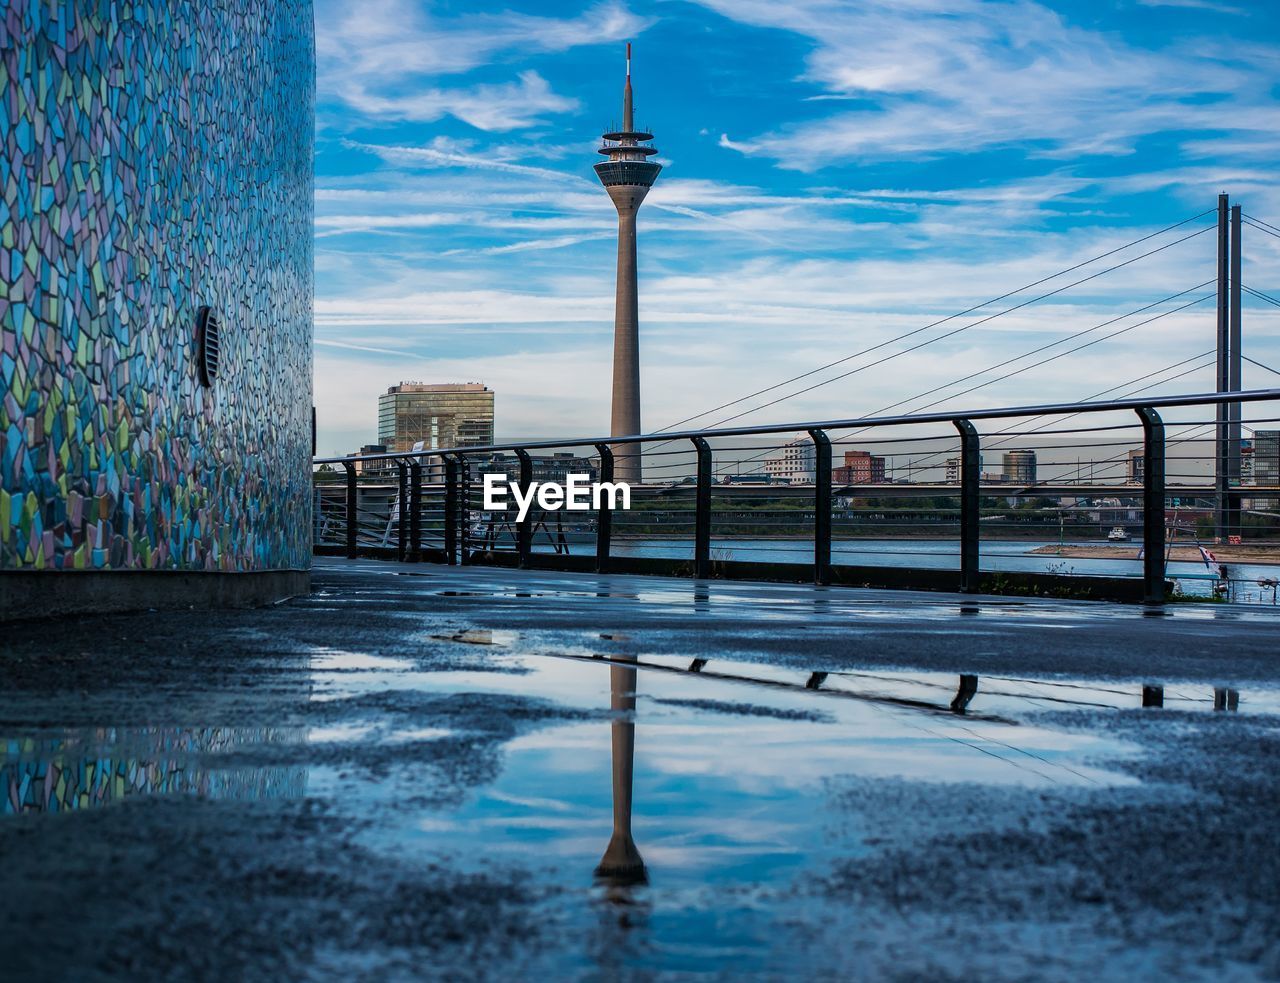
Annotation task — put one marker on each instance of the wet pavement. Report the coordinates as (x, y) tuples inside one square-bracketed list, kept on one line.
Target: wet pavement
[(430, 772)]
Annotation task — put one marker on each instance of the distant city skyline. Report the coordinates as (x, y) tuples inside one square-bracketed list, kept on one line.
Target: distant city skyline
[(833, 175)]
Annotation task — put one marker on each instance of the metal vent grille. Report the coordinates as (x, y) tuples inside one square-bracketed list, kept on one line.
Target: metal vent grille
[(208, 344)]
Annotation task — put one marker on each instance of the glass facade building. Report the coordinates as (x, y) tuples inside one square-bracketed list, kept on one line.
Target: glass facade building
[(1019, 467), (437, 415), (1266, 457)]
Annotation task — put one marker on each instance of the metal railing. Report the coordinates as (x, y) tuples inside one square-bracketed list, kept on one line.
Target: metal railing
[(425, 505)]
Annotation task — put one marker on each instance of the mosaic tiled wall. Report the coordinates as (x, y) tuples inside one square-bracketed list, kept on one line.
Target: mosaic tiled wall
[(155, 156)]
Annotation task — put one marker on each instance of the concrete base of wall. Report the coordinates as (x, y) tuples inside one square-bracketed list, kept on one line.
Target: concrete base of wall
[(43, 594)]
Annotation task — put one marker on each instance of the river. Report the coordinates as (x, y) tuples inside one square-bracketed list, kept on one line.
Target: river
[(997, 555)]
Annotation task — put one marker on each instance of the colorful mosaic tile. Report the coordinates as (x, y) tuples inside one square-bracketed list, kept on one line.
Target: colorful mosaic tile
[(66, 773), (155, 156)]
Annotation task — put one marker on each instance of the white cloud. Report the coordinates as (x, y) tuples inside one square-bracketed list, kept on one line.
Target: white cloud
[(508, 106), (384, 58), (445, 153), (398, 353), (1214, 5), (939, 79), (397, 38)]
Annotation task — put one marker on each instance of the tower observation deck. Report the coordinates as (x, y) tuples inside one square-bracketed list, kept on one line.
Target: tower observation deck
[(627, 176)]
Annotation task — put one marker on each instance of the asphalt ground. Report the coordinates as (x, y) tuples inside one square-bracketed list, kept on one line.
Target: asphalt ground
[(414, 771)]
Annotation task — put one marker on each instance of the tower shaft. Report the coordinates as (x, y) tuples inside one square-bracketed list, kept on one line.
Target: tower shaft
[(626, 349)]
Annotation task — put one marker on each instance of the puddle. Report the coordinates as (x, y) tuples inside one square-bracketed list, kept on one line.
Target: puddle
[(418, 734), (340, 733), (339, 660), (479, 636), (708, 778), (738, 731), (692, 782), (506, 592)]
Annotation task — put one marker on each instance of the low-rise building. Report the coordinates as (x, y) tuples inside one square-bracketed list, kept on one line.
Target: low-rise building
[(860, 468), (954, 467), (547, 468), (369, 469)]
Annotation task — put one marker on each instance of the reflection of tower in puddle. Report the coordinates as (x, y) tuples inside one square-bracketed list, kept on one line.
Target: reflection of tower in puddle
[(622, 864)]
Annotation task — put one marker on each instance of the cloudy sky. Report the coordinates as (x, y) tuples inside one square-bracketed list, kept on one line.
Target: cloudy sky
[(836, 174)]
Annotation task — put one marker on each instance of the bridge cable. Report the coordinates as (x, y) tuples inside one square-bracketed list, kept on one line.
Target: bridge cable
[(1254, 218), (949, 334), (1060, 418), (1042, 348), (1260, 295), (1027, 368), (951, 317), (1259, 364)]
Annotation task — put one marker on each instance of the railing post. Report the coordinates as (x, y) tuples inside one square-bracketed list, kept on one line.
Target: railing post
[(452, 475), (702, 512), (402, 508), (604, 518), (415, 510), (821, 507), (1234, 527), (524, 530), (1223, 376), (464, 509), (970, 503), (1153, 528), (353, 517)]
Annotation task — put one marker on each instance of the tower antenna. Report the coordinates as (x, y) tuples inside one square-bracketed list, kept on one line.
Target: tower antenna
[(627, 124)]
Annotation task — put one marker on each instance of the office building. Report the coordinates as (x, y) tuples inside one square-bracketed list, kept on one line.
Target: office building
[(794, 463), (1264, 462), (1266, 458), (860, 468), (954, 470), (438, 415), (1137, 466), (1019, 468)]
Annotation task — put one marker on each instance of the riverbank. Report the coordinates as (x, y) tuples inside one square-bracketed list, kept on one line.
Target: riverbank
[(1260, 555), (990, 533)]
